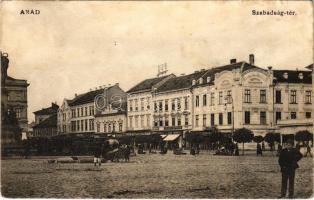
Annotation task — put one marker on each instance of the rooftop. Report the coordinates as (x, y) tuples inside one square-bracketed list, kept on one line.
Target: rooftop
[(48, 111), (50, 122), (146, 84)]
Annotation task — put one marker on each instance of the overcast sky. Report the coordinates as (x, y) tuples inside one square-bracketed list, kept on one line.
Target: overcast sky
[(74, 46)]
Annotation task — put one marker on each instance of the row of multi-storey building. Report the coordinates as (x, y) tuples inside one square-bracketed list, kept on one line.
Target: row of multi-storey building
[(227, 97)]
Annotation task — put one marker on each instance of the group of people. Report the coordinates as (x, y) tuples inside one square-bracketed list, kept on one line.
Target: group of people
[(230, 149), (111, 152)]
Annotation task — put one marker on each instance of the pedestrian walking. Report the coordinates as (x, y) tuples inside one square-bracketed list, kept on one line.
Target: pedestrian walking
[(97, 155), (259, 150), (308, 151), (288, 161), (236, 153)]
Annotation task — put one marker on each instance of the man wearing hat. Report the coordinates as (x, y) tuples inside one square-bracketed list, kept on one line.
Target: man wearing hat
[(288, 161)]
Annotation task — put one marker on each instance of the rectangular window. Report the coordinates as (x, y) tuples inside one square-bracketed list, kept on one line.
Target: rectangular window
[(221, 119), (247, 96), (179, 121), (278, 96), (293, 115), (160, 105), (186, 120), (166, 121), (78, 112), (142, 104), (212, 119), (90, 110), (98, 127), (220, 101), (109, 128), (308, 115), (73, 113), (293, 96), (173, 121), (179, 104), (204, 100), (91, 124), (197, 101), (120, 127), (262, 96), (82, 124), (85, 111), (155, 122), (82, 111), (86, 124), (247, 117), (160, 122), (186, 106), (155, 107), (136, 105), (229, 118), (78, 125), (18, 113), (262, 117), (229, 97), (173, 105), (204, 120), (212, 98), (166, 105), (196, 120), (278, 116), (113, 127), (93, 111), (308, 95), (131, 105)]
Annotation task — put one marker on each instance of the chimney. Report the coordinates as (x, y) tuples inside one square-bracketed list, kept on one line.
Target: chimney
[(232, 61), (117, 84), (269, 67), (251, 59), (75, 94)]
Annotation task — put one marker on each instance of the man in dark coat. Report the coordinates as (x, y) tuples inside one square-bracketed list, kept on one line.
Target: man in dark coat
[(288, 161), (97, 154)]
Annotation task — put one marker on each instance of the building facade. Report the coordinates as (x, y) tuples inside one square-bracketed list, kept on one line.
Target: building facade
[(46, 122), (229, 97), (77, 116), (140, 106)]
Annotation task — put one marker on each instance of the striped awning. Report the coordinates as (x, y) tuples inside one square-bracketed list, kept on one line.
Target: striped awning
[(171, 137)]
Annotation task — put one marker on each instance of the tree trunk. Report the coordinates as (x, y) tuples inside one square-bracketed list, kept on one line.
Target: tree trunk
[(242, 148)]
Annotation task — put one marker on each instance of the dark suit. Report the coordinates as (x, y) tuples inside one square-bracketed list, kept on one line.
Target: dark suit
[(288, 161)]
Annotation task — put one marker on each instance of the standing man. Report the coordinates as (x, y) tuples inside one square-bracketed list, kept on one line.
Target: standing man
[(288, 161)]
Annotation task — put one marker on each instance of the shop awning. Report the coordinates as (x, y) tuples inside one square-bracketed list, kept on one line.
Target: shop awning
[(163, 136), (171, 137)]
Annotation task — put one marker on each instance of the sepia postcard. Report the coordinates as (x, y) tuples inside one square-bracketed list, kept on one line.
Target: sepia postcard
[(157, 99)]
